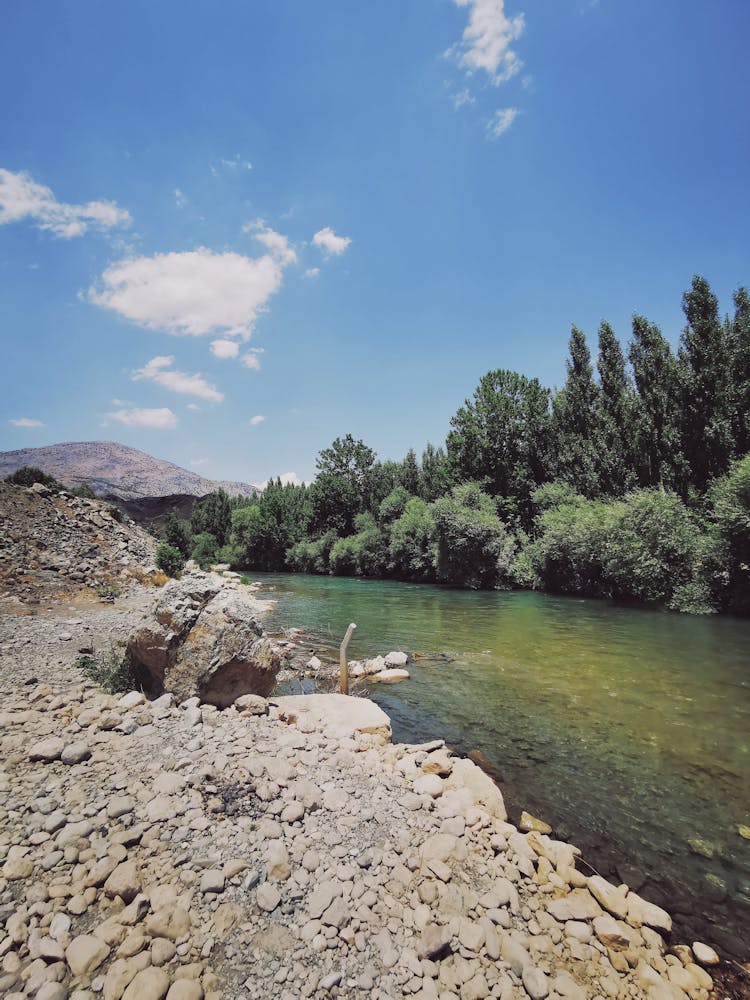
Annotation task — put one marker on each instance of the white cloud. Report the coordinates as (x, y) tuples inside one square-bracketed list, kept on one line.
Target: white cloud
[(180, 198), (287, 479), (162, 419), (193, 293), (236, 163), (277, 245), (160, 370), (192, 406), (311, 272), (257, 420), (225, 348), (463, 97), (327, 240), (26, 422), (487, 39), (198, 461), (252, 358), (501, 121), (22, 198)]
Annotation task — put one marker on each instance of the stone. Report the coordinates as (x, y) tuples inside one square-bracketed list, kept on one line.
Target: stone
[(75, 753), (169, 922), (131, 700), (704, 954), (85, 953), (470, 935), (429, 784), (277, 863), (251, 704), (47, 750), (396, 659), (610, 897), (125, 881), (162, 951), (527, 823), (148, 984), (577, 905), (535, 982), (390, 675), (338, 716), (267, 897), (434, 942), (641, 912), (608, 932), (213, 881), (185, 989)]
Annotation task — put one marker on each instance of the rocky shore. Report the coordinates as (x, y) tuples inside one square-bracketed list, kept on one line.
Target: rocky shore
[(288, 848)]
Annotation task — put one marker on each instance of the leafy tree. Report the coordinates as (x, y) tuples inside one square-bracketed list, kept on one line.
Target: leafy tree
[(574, 419), (169, 559), (205, 549), (212, 514), (435, 476), (659, 461), (707, 430), (380, 480), (738, 338), (394, 505), (473, 547), (501, 438), (340, 488), (409, 475), (177, 534), (568, 553), (311, 555), (615, 459), (28, 475), (362, 554), (730, 500), (413, 549)]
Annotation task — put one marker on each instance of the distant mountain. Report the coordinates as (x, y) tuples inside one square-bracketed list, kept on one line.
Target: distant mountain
[(112, 469)]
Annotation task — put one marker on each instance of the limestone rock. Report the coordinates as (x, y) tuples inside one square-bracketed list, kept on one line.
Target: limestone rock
[(149, 984), (396, 659), (527, 823), (85, 953), (390, 675), (704, 954), (641, 912), (336, 715), (48, 750)]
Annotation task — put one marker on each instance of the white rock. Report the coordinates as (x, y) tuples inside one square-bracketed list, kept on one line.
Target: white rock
[(396, 659)]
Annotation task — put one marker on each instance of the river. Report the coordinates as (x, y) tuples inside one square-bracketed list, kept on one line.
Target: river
[(627, 730)]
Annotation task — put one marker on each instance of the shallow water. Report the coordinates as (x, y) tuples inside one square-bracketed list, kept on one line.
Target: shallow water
[(628, 730)]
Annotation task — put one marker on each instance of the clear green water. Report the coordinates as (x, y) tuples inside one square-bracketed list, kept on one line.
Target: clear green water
[(628, 730)]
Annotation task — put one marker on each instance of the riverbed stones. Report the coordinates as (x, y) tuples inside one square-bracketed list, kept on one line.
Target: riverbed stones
[(47, 750), (705, 954), (527, 823), (85, 953)]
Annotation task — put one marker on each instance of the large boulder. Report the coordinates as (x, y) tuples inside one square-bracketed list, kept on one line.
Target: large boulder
[(204, 639)]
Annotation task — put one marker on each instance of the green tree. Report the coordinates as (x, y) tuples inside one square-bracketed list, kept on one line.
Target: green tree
[(615, 459), (169, 559), (340, 489), (312, 555), (394, 505), (501, 438), (706, 370), (409, 475), (660, 461), (28, 475), (213, 514), (413, 549), (435, 476), (730, 503), (361, 554), (205, 549), (568, 552), (574, 419), (739, 352), (473, 547), (177, 534)]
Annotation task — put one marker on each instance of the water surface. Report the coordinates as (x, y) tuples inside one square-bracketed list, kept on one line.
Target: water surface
[(628, 730)]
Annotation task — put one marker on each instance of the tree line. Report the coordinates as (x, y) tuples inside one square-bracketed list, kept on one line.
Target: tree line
[(631, 481)]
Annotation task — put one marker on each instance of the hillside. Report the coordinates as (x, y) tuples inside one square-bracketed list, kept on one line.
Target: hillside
[(112, 469)]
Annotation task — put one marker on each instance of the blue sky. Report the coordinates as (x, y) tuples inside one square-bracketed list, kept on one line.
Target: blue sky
[(336, 217)]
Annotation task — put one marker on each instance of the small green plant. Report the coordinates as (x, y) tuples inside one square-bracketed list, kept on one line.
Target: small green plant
[(107, 593), (169, 559), (28, 475), (110, 670)]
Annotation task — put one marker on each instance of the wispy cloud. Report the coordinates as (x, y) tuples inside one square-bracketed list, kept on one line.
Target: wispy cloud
[(257, 420), (251, 359), (486, 43), (180, 198), (462, 98), (194, 293), (311, 272), (192, 406), (160, 419), (277, 245), (22, 198), (234, 163), (198, 461), (160, 370), (26, 422), (501, 121), (328, 241), (225, 348)]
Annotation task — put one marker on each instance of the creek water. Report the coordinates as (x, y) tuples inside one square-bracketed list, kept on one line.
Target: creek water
[(628, 730)]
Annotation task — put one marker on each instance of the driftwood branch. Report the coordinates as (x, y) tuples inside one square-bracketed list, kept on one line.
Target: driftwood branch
[(344, 685)]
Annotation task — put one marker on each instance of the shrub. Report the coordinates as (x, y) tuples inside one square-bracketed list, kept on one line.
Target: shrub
[(28, 475), (474, 549), (413, 549), (311, 556), (205, 549), (568, 553), (730, 503), (177, 534), (84, 491), (363, 554), (111, 670), (169, 559)]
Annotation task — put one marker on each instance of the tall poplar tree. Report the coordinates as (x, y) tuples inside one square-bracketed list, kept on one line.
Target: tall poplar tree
[(574, 416), (739, 353), (704, 364), (615, 417), (659, 458)]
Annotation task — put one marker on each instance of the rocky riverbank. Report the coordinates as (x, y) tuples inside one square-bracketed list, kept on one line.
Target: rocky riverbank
[(287, 849)]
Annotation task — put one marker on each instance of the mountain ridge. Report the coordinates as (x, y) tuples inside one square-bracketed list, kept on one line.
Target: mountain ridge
[(117, 470)]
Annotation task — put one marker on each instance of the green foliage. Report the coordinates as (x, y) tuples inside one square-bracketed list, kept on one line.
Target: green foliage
[(730, 503), (615, 418), (738, 341), (568, 553), (362, 554), (473, 547), (394, 505), (84, 491), (107, 593), (312, 555), (263, 531), (28, 475), (205, 549), (177, 534), (435, 475), (574, 420), (169, 559), (212, 515), (110, 670), (413, 548)]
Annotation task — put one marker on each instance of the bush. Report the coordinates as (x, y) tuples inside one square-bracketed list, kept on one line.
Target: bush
[(177, 534), (110, 670), (474, 549), (84, 491), (169, 559), (413, 549), (568, 553), (730, 509), (205, 549), (28, 475), (311, 556), (363, 554)]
